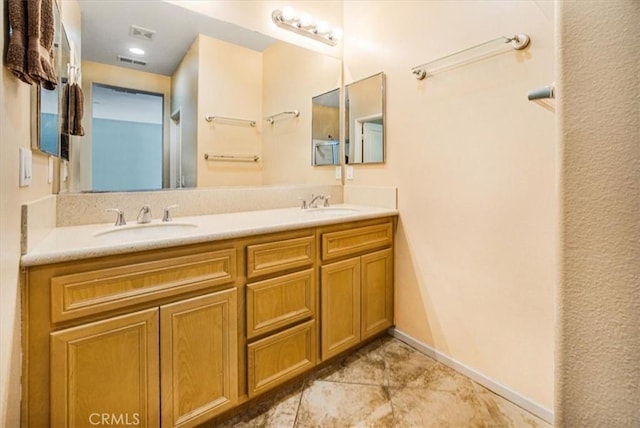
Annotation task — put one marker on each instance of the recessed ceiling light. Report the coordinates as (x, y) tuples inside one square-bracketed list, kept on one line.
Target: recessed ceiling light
[(136, 51)]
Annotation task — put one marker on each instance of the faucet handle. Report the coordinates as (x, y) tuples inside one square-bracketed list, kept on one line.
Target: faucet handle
[(166, 216), (303, 206), (120, 221), (326, 200)]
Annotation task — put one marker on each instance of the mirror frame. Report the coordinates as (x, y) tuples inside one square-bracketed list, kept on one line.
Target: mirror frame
[(349, 120)]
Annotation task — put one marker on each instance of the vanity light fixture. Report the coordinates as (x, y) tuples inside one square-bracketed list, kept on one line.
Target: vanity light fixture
[(304, 24)]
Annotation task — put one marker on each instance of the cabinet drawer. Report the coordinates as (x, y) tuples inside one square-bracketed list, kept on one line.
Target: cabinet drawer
[(82, 294), (352, 241), (278, 358), (279, 256), (279, 302)]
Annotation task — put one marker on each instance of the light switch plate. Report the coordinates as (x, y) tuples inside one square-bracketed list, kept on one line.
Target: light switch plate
[(349, 172), (26, 166), (338, 172)]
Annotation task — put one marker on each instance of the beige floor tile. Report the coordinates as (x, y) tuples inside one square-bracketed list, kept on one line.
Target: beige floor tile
[(279, 411), (506, 412), (387, 384), (427, 408), (333, 404), (364, 367), (407, 367)]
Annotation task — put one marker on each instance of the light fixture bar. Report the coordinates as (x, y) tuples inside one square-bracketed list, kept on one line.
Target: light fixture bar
[(310, 30)]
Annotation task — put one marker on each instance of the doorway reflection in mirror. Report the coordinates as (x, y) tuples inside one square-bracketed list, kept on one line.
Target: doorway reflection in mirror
[(364, 106)]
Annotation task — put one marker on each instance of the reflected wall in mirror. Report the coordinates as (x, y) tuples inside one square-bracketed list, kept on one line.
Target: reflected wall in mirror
[(47, 135), (364, 110), (325, 129), (206, 67)]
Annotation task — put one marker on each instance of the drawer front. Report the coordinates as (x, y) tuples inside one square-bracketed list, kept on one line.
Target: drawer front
[(82, 294), (278, 358), (279, 256), (279, 302), (353, 241)]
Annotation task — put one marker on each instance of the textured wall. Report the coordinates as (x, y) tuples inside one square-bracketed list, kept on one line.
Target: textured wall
[(598, 341)]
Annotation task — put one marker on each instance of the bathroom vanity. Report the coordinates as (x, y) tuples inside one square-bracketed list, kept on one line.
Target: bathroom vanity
[(175, 331)]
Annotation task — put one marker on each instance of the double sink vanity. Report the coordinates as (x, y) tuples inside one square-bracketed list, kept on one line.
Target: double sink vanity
[(175, 323)]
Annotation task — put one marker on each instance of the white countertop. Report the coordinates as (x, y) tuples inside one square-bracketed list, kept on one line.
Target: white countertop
[(80, 242)]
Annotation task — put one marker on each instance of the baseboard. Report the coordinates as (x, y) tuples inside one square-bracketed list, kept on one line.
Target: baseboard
[(517, 399)]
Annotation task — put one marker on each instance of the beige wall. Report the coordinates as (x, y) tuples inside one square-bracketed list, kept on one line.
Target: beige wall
[(93, 72), (475, 166), (15, 115), (184, 99), (292, 77), (229, 85), (598, 340), (325, 122)]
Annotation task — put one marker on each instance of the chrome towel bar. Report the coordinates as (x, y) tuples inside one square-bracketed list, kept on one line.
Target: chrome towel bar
[(231, 158), (210, 118)]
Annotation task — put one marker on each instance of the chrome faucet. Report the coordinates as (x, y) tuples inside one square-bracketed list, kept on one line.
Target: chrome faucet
[(314, 200), (166, 216), (120, 219), (144, 216)]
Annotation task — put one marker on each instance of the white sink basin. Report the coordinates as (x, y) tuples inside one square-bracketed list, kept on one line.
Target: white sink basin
[(330, 211), (138, 232)]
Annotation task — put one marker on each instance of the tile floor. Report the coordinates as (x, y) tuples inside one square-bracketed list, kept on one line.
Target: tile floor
[(386, 384)]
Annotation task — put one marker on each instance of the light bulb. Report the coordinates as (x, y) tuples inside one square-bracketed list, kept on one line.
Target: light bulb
[(323, 27), (306, 21), (287, 13), (336, 33), (136, 51)]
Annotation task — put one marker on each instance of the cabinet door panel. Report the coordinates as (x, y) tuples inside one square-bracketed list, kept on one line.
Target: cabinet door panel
[(199, 358), (340, 293), (107, 369), (377, 292)]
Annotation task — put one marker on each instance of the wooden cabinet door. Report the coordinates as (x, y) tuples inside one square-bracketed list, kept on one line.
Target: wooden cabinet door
[(198, 348), (340, 298), (377, 292), (106, 373)]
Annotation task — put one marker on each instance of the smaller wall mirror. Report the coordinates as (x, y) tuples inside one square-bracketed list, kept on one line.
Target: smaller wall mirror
[(46, 133), (364, 109), (325, 128)]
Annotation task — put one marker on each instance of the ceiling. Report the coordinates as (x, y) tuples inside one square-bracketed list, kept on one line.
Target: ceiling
[(106, 26)]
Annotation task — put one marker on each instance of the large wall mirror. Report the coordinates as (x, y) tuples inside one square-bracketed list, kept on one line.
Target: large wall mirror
[(325, 134), (364, 110), (204, 71), (47, 136)]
